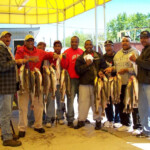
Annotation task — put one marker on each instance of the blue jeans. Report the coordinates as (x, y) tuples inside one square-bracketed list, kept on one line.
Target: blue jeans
[(70, 100), (60, 105), (50, 107), (5, 116), (144, 107)]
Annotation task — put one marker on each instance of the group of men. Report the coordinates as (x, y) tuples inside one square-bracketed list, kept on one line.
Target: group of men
[(83, 67)]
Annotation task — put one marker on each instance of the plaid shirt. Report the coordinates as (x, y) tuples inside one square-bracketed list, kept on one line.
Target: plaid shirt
[(7, 71)]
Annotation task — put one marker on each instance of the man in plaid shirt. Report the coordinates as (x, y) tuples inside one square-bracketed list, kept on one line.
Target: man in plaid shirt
[(8, 87)]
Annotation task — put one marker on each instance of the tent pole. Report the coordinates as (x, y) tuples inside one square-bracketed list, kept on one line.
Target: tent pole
[(96, 31), (64, 35), (105, 36)]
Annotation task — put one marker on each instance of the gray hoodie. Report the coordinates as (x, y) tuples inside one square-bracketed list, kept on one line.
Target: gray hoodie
[(121, 61)]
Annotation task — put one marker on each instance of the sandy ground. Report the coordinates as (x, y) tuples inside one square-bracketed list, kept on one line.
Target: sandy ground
[(61, 137)]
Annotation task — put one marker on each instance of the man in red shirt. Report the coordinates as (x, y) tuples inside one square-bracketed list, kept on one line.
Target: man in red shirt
[(29, 50), (68, 62)]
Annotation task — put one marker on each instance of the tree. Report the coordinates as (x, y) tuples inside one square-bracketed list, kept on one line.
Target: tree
[(131, 23)]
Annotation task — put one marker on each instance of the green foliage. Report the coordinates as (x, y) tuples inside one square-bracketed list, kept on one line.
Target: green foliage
[(133, 23), (83, 37)]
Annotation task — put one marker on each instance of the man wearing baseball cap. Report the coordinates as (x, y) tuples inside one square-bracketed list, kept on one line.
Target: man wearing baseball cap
[(30, 51), (8, 87), (143, 62), (113, 118)]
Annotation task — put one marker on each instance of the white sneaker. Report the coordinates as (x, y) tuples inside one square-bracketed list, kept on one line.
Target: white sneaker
[(48, 125), (106, 124), (111, 124), (136, 132), (125, 128), (61, 122), (117, 125)]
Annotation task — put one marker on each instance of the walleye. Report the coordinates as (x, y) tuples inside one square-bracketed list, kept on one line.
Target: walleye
[(62, 85), (53, 81), (22, 79), (98, 85), (58, 68), (131, 95), (46, 82), (38, 82)]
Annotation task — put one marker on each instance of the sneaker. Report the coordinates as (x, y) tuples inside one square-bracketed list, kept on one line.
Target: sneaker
[(125, 128), (111, 124), (80, 124), (48, 125), (61, 122), (21, 134), (40, 130), (136, 132), (117, 125), (70, 124), (106, 124), (142, 135), (98, 125), (12, 143)]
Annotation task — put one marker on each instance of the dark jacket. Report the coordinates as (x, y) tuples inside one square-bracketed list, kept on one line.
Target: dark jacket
[(143, 62), (7, 71), (86, 73), (110, 62)]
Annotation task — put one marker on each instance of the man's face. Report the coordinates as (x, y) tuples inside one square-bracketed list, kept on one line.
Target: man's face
[(109, 49), (6, 39), (88, 46), (145, 41), (29, 44), (74, 43), (57, 48), (42, 46), (126, 44)]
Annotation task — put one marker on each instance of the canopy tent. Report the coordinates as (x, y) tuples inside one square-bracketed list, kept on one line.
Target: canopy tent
[(43, 11)]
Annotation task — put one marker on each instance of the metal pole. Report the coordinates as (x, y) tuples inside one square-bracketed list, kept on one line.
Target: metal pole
[(96, 31), (105, 36), (64, 44), (57, 31)]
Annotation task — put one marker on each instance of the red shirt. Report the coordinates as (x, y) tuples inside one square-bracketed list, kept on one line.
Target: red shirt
[(23, 51), (69, 62)]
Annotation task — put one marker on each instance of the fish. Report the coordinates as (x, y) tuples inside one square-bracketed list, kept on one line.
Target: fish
[(38, 82), (98, 85), (22, 79), (68, 84), (46, 83), (58, 68), (106, 82), (127, 98), (119, 86), (31, 87), (53, 81), (62, 85), (104, 102)]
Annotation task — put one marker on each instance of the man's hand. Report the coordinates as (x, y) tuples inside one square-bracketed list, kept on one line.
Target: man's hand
[(132, 58), (33, 59), (64, 55), (21, 61), (108, 70), (88, 62), (123, 71), (55, 56), (101, 74)]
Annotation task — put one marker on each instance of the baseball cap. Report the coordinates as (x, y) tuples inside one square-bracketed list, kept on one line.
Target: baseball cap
[(57, 42), (29, 36), (4, 33), (108, 42), (145, 34)]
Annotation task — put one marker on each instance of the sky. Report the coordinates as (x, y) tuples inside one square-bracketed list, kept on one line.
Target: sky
[(87, 24)]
